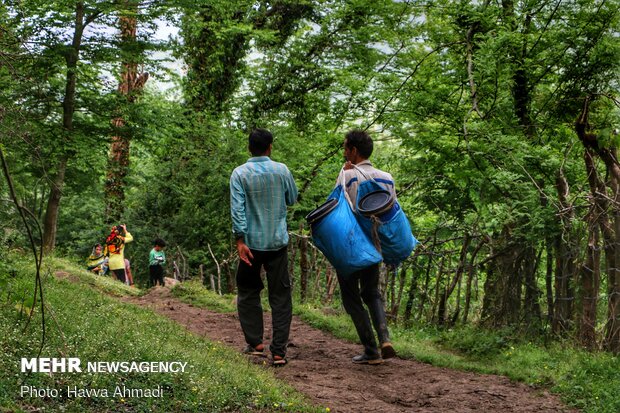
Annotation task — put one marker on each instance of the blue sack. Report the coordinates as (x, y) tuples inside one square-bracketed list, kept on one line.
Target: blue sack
[(337, 234), (388, 222)]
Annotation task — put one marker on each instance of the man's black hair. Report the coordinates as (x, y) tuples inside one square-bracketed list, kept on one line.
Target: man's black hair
[(260, 139), (158, 242), (361, 140)]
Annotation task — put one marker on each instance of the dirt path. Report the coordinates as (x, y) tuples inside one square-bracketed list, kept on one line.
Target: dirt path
[(320, 367)]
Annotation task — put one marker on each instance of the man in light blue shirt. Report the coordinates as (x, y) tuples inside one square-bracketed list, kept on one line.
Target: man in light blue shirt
[(260, 191)]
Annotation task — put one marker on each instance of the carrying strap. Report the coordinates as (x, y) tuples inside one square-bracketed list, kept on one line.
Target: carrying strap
[(358, 169), (342, 182), (376, 222)]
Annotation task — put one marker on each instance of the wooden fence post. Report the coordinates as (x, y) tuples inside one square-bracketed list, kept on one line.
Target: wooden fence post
[(303, 264)]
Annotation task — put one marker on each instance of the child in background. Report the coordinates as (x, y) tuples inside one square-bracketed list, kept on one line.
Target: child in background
[(157, 260), (98, 262)]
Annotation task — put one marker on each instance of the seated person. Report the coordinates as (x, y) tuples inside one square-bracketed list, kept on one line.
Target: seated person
[(97, 261)]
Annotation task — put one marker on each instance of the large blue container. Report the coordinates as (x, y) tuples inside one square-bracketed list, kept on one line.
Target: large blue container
[(380, 213), (337, 234)]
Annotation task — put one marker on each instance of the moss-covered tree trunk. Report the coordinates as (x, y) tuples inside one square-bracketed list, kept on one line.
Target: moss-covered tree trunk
[(131, 83)]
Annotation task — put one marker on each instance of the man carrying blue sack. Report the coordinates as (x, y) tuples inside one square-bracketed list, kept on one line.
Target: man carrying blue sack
[(362, 287), (260, 191)]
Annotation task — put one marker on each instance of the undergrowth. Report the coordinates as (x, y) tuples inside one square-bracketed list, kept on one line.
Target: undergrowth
[(83, 322)]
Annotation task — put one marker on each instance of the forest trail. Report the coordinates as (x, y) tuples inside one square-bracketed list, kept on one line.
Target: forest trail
[(320, 367)]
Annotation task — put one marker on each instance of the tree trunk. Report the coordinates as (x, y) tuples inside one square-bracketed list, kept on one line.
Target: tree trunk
[(331, 283), (436, 301), (392, 274), (502, 290), (72, 58), (53, 207), (470, 276), (317, 279), (383, 283), (565, 258), (457, 277), (411, 295), (130, 86), (531, 305), (610, 230), (427, 280), (401, 286), (291, 264), (549, 282), (590, 280), (303, 265), (612, 253)]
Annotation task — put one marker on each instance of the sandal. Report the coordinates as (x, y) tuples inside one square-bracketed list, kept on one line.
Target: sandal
[(258, 350), (279, 361)]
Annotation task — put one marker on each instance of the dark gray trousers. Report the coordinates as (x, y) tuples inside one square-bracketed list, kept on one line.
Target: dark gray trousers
[(357, 289), (249, 286)]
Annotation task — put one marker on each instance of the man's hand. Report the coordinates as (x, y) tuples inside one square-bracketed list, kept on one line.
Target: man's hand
[(244, 252)]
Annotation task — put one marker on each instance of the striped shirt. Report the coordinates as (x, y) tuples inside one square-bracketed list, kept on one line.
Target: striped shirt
[(260, 191), (364, 171)]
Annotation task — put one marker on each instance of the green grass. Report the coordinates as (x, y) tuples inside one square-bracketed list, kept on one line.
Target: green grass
[(107, 284), (83, 322), (588, 381), (193, 292)]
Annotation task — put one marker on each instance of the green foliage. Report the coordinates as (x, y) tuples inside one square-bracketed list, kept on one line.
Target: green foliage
[(475, 342), (589, 382), (95, 327), (472, 106)]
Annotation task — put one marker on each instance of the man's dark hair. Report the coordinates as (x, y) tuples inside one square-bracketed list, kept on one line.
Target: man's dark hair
[(361, 140), (158, 242), (260, 139)]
